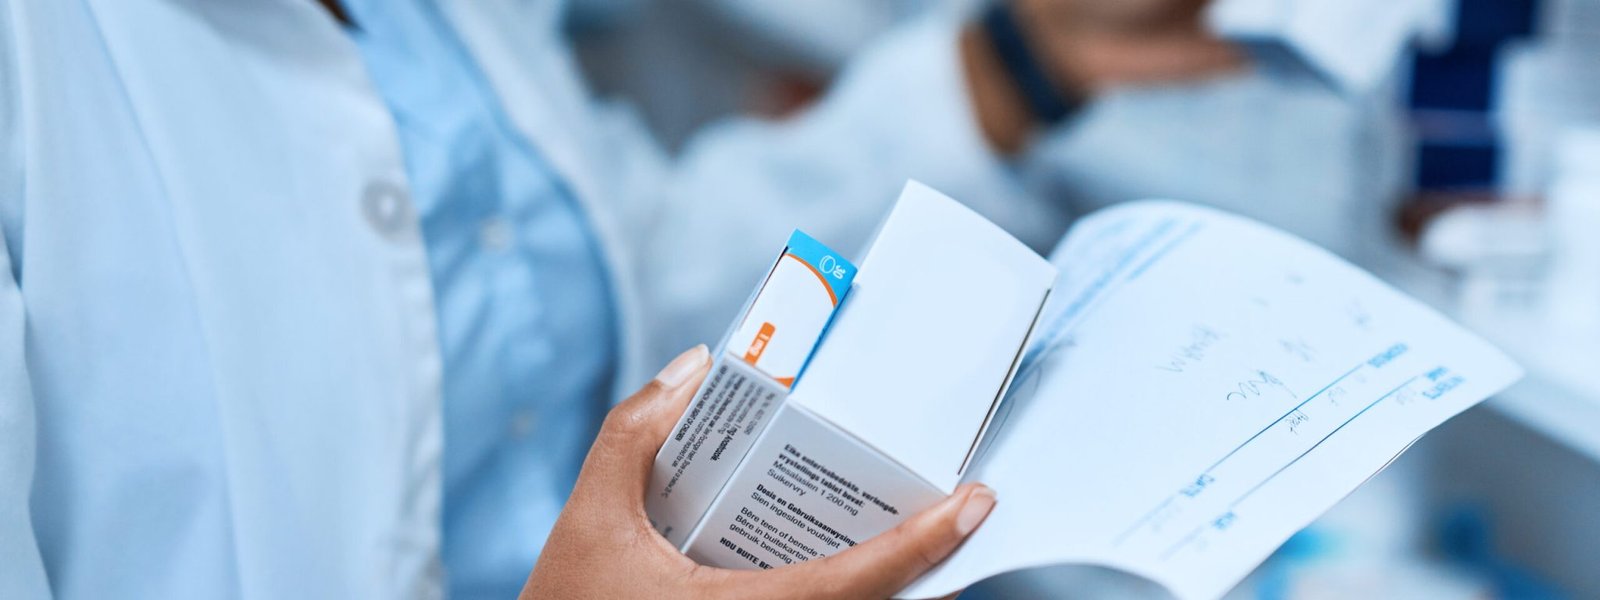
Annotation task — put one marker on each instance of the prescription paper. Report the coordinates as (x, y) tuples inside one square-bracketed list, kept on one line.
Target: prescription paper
[(1201, 388)]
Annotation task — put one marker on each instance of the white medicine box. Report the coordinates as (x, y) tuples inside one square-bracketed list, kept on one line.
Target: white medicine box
[(844, 401)]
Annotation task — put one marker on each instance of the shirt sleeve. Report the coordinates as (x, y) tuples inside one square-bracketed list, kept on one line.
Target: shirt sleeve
[(714, 218)]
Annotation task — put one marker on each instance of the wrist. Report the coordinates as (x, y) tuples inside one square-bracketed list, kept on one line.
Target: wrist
[(999, 108)]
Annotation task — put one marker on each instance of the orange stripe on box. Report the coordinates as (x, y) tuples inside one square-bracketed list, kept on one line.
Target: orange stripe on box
[(759, 345), (825, 287)]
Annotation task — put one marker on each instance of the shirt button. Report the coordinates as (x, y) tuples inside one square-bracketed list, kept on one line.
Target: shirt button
[(387, 207), (495, 235), (522, 423)]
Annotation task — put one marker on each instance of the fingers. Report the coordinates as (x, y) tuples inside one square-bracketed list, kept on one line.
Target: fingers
[(885, 564), (619, 464)]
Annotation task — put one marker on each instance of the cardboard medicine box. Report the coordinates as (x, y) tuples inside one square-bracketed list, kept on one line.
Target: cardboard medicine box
[(844, 401)]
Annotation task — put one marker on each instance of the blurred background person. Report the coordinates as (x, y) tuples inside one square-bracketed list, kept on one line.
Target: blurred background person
[(1309, 137)]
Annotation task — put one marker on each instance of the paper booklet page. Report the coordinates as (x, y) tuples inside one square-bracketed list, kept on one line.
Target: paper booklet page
[(1201, 388)]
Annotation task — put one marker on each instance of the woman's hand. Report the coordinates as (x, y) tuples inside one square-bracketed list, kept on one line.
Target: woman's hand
[(603, 545)]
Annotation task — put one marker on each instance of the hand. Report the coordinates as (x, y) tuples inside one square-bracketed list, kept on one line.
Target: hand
[(603, 546), (1089, 46)]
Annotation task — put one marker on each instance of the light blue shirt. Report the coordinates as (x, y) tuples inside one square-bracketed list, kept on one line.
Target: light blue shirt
[(526, 322)]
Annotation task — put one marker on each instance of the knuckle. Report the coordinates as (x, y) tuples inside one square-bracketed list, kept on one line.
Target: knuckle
[(917, 552), (712, 583), (618, 421), (631, 415), (621, 427), (835, 587), (926, 556)]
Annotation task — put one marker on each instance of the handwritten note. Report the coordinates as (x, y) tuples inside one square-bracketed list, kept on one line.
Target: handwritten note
[(1203, 387)]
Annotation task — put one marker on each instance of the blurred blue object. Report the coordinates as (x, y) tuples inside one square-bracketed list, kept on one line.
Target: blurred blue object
[(1465, 537), (1450, 95), (1274, 578)]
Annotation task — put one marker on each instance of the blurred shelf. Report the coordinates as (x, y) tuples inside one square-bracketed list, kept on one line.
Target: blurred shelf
[(1560, 396)]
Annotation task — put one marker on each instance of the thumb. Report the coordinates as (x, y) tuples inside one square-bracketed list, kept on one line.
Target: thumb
[(618, 467), (886, 564)]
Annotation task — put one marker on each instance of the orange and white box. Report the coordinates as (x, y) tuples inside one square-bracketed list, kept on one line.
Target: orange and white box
[(761, 356)]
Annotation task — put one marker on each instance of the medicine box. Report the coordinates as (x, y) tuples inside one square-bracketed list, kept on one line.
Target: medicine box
[(844, 401)]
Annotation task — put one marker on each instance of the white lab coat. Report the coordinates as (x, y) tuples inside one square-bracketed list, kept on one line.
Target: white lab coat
[(218, 367)]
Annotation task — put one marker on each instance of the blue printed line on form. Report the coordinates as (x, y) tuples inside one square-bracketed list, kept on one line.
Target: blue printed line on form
[(1101, 287), (1192, 534), (1154, 511), (1275, 422), (1324, 439), (1183, 542), (1159, 254)]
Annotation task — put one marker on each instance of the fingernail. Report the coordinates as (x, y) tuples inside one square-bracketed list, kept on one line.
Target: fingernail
[(978, 505), (679, 370)]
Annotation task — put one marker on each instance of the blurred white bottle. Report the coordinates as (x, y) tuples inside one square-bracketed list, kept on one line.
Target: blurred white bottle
[(1573, 206)]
